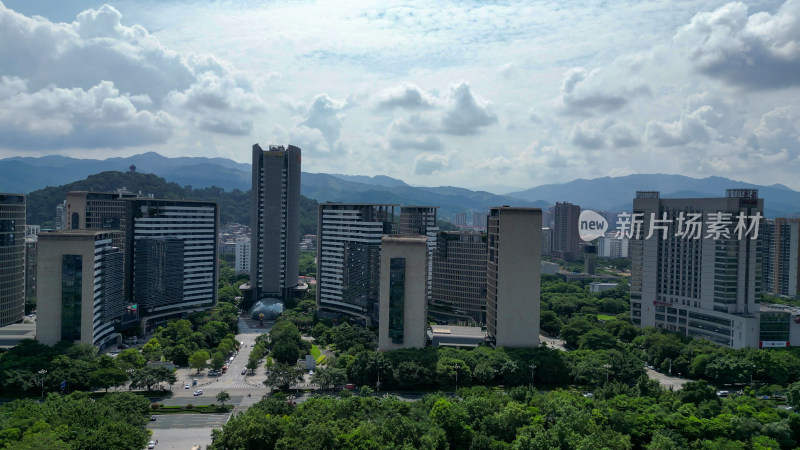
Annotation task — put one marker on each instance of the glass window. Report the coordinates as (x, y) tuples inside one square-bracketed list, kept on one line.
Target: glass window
[(397, 287), (71, 287)]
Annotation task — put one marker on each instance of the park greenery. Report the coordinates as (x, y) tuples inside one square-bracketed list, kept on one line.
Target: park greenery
[(617, 417)]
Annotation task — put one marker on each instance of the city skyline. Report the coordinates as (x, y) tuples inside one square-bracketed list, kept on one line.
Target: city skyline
[(464, 95)]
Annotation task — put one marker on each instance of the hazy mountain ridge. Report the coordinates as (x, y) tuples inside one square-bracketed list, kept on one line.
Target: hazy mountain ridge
[(26, 174)]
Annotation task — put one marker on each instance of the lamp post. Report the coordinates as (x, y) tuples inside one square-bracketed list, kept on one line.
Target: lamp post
[(670, 366), (41, 375), (608, 370), (456, 366), (378, 383), (533, 368)]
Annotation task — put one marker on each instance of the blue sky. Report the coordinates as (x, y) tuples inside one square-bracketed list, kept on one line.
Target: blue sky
[(436, 93)]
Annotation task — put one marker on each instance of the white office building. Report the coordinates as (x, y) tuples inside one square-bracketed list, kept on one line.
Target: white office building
[(242, 256)]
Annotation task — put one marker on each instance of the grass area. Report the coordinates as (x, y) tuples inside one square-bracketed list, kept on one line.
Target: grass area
[(605, 317), (315, 351)]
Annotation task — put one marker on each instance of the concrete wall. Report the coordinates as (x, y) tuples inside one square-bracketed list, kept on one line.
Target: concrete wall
[(415, 318)]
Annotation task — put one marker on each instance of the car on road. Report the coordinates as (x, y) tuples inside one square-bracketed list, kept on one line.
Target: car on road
[(152, 418), (244, 371), (187, 386), (151, 444), (198, 392)]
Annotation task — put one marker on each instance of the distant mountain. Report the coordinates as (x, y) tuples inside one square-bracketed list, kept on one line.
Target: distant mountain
[(378, 180), (617, 193)]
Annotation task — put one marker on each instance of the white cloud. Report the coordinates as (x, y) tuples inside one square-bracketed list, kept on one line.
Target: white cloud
[(688, 129), (607, 133), (406, 96), (427, 164), (760, 51), (584, 92), (53, 118), (464, 113)]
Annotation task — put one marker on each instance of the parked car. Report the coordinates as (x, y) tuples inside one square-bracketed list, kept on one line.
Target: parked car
[(151, 444), (198, 392), (152, 418), (244, 371), (187, 386)]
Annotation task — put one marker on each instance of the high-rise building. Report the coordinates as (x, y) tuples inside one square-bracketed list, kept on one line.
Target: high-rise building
[(87, 210), (403, 296), (512, 276), (177, 257), (566, 240), (421, 220), (60, 219), (31, 247), (459, 274), (348, 257), (460, 219), (275, 221), (693, 274), (12, 258), (242, 264), (547, 241), (80, 288), (781, 256)]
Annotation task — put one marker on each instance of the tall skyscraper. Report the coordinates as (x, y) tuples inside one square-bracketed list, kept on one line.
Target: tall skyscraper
[(60, 219), (275, 221), (348, 257), (547, 241), (12, 258), (403, 296), (781, 256), (98, 211), (80, 288), (171, 257), (694, 280), (421, 220), (566, 240), (459, 274), (514, 248)]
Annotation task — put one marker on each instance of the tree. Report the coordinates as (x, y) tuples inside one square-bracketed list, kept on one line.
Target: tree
[(597, 339), (217, 360), (252, 364), (286, 352), (108, 377), (572, 331), (329, 377), (147, 377), (198, 360), (152, 350), (223, 397), (130, 359), (550, 323), (283, 375)]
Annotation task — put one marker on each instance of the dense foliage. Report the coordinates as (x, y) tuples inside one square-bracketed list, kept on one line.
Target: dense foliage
[(76, 421), (643, 416)]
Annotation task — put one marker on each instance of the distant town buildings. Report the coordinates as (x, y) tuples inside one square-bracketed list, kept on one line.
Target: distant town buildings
[(60, 219), (275, 221), (459, 275), (80, 286), (513, 276), (706, 287), (348, 257), (12, 257), (610, 246), (566, 241), (403, 294), (547, 241)]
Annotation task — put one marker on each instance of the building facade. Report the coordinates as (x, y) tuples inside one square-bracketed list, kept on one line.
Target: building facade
[(403, 296), (459, 274), (242, 264), (172, 249), (80, 294), (275, 221), (348, 257), (690, 279), (421, 220), (566, 240), (781, 273), (512, 276), (12, 258)]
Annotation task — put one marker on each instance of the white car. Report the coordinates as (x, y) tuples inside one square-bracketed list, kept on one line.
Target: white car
[(151, 444), (187, 386), (198, 392)]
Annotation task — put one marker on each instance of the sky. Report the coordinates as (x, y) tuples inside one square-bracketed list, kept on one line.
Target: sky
[(505, 96)]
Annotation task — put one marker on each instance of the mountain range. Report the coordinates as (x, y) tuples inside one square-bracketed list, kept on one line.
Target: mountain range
[(26, 174)]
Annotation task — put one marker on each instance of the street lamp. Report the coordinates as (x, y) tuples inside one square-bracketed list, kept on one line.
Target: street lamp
[(456, 367), (533, 368), (670, 366), (42, 374), (378, 383), (608, 370)]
